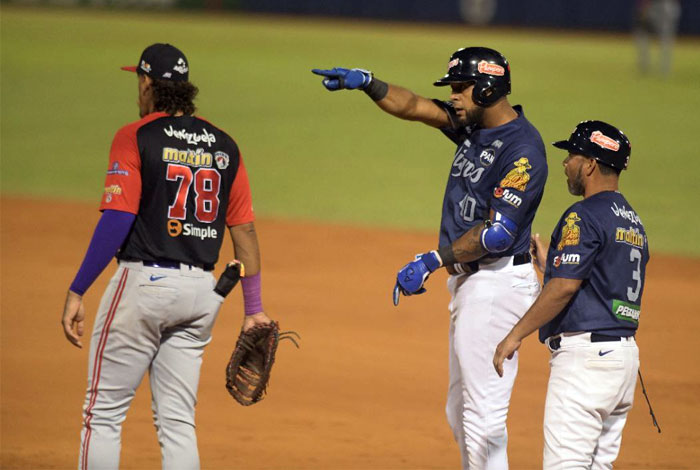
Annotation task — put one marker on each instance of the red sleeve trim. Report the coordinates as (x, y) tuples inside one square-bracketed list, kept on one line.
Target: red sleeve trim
[(122, 190), (240, 203)]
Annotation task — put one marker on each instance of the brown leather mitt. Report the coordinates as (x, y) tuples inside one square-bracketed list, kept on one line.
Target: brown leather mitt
[(248, 370)]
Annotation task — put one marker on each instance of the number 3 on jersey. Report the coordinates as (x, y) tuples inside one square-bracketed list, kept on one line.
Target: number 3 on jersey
[(207, 183), (633, 294)]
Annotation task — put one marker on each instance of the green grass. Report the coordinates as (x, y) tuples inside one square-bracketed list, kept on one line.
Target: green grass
[(332, 156)]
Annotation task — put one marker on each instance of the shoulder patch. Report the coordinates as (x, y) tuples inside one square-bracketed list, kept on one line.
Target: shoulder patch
[(570, 233), (518, 177)]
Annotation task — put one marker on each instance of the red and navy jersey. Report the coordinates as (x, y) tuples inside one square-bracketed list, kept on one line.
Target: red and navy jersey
[(600, 240), (502, 168), (185, 181)]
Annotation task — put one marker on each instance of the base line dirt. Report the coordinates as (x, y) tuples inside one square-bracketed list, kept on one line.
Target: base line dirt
[(365, 391)]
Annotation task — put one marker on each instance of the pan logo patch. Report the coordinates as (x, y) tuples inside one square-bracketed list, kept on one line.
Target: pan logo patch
[(518, 177), (570, 233), (487, 157)]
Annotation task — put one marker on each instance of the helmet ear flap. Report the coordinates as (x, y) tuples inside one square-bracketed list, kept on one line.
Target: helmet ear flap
[(484, 94)]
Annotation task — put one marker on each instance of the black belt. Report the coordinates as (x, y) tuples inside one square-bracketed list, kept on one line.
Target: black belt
[(555, 343), (171, 264), (473, 266)]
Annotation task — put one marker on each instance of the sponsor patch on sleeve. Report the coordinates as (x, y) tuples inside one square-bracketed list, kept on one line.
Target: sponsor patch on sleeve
[(626, 311), (110, 191), (566, 258), (509, 196)]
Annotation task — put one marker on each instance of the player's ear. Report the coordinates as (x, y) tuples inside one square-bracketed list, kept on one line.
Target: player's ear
[(590, 166), (145, 81)]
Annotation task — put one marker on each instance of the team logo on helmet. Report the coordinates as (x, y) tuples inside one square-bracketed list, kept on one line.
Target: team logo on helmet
[(518, 177), (604, 141), (452, 63), (491, 69), (570, 233)]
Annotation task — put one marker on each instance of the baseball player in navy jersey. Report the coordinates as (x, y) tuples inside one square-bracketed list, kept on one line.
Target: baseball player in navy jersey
[(588, 311), (494, 187), (174, 183)]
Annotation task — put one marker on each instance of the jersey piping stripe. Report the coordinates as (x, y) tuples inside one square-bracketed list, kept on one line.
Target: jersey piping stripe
[(97, 366)]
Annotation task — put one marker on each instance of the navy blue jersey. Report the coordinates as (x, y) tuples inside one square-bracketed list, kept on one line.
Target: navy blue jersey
[(601, 241), (502, 168)]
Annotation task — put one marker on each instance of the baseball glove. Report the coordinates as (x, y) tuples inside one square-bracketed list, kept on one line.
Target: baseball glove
[(248, 370)]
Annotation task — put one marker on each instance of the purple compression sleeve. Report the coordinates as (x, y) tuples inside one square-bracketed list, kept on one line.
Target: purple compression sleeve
[(252, 300), (110, 233)]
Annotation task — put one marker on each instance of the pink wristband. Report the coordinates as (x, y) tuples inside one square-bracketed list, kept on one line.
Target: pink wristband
[(252, 299)]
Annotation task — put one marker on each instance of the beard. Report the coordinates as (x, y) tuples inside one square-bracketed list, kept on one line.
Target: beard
[(575, 183), (474, 116)]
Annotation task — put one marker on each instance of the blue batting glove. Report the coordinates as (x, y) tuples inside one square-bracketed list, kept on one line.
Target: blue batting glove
[(410, 279), (339, 78)]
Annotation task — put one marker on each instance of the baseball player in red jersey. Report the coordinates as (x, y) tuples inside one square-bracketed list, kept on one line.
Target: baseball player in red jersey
[(174, 183)]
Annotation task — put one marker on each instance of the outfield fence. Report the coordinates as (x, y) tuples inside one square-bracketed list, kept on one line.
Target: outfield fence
[(618, 15)]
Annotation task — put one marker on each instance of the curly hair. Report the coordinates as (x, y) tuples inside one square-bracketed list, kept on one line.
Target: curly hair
[(171, 97)]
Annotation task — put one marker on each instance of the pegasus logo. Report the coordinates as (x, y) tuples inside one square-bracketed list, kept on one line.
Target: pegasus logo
[(181, 66)]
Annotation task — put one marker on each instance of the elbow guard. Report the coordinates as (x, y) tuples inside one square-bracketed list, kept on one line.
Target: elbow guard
[(498, 235)]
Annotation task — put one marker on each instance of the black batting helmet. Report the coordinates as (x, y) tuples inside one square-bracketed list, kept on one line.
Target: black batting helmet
[(486, 68), (599, 140)]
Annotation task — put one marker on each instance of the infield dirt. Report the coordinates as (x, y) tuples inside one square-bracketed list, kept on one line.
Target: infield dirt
[(365, 391)]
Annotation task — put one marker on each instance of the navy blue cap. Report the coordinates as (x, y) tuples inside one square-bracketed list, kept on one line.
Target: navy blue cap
[(162, 62)]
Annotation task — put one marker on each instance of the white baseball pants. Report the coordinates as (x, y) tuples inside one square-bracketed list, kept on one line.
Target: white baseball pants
[(150, 319), (590, 391), (484, 307)]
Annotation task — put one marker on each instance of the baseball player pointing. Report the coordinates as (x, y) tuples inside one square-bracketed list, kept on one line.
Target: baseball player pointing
[(174, 183), (589, 309), (494, 187)]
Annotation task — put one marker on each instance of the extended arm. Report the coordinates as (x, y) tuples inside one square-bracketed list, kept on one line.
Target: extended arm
[(554, 297), (405, 104), (392, 99), (110, 232), (247, 251)]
